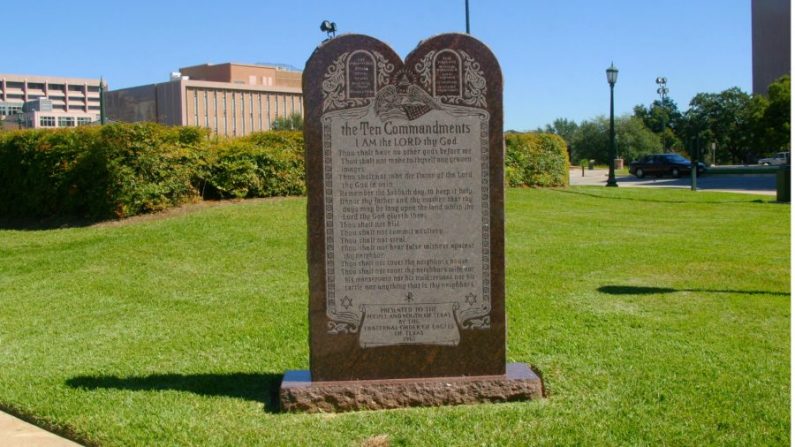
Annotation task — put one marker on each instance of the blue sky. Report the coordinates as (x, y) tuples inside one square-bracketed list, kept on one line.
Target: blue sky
[(553, 53)]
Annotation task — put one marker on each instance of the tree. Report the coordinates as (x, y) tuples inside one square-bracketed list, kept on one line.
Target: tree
[(775, 120), (591, 140), (726, 118), (634, 139), (663, 118), (563, 128), (292, 122)]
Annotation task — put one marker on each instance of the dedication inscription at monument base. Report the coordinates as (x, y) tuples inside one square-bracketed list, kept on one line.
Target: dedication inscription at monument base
[(405, 212)]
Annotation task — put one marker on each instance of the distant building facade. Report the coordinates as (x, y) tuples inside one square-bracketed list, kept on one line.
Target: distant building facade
[(770, 29), (230, 99), (47, 101)]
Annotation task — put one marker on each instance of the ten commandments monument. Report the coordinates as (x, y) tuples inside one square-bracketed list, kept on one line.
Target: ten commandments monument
[(404, 164)]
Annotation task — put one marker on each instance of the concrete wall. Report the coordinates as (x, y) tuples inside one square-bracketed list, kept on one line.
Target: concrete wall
[(225, 108)]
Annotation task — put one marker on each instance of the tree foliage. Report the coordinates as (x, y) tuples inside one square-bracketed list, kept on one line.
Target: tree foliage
[(741, 127), (775, 120), (292, 122), (664, 119), (725, 118), (591, 141)]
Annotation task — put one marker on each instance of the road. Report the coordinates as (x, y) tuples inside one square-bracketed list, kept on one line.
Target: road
[(742, 183)]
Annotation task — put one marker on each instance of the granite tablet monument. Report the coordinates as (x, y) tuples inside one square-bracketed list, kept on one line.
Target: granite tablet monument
[(404, 170)]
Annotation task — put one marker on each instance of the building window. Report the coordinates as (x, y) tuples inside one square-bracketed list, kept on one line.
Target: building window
[(9, 109), (195, 108), (83, 120), (66, 121), (251, 110), (47, 121)]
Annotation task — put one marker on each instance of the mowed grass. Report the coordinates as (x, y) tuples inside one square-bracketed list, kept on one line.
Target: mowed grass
[(657, 317)]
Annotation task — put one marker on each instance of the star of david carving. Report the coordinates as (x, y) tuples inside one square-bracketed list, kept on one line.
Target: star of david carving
[(409, 297), (346, 303), (471, 299)]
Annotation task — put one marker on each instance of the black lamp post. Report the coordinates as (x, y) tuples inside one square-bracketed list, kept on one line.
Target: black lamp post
[(612, 76)]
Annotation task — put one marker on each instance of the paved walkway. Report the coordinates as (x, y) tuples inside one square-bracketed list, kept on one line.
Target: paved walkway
[(764, 184), (15, 432)]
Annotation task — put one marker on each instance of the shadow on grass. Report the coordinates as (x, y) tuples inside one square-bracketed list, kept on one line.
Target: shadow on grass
[(256, 387), (641, 290), (637, 199), (52, 223)]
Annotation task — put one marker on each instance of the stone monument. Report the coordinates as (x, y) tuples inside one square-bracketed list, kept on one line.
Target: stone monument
[(404, 171)]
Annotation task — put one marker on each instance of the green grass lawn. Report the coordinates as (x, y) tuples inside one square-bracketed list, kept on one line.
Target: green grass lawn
[(657, 317)]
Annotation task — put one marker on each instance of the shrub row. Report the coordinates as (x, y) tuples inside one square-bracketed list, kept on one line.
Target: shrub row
[(536, 159), (121, 170)]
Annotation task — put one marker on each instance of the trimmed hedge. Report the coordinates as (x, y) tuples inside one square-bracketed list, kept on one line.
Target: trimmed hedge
[(536, 160), (121, 170), (259, 165)]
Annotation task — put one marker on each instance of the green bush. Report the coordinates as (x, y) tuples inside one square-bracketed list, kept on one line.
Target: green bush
[(262, 164), (121, 170), (536, 159)]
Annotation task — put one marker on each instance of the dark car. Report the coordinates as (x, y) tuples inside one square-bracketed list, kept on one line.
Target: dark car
[(663, 164)]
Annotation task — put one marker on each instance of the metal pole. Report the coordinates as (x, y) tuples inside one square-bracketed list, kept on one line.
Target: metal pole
[(466, 6), (611, 178), (102, 118), (694, 167)]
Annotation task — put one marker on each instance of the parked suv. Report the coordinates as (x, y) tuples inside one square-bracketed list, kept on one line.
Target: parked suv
[(780, 158), (663, 164)]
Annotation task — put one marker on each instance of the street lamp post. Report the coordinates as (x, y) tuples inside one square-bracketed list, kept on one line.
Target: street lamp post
[(612, 76)]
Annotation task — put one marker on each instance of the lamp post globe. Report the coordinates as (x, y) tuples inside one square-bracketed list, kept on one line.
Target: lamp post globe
[(612, 77)]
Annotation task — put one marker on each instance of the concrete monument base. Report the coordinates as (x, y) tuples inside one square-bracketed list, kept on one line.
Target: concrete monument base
[(299, 393)]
